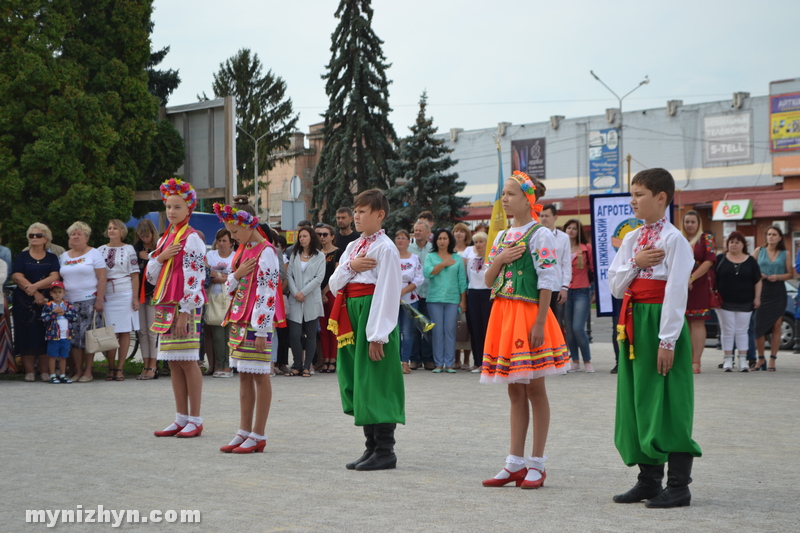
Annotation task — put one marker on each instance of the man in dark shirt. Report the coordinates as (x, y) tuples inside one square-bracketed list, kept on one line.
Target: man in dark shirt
[(344, 221)]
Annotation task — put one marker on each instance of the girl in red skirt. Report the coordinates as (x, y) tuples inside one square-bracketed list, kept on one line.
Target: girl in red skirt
[(523, 340)]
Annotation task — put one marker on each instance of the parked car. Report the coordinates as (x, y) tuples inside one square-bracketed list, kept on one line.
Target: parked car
[(787, 327)]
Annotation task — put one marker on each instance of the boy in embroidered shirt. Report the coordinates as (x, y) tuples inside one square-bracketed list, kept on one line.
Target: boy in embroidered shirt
[(58, 316), (367, 285), (655, 389)]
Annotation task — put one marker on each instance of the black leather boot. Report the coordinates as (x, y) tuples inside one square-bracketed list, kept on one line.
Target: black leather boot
[(383, 458), (648, 486), (369, 433), (678, 478)]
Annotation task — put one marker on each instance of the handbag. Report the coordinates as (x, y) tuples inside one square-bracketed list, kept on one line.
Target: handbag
[(462, 331), (217, 309), (100, 339)]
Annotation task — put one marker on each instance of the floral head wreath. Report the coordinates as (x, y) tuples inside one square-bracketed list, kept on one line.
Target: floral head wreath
[(183, 188), (529, 188), (231, 215)]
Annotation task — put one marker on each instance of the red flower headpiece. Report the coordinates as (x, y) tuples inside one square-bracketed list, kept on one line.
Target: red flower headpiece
[(182, 188), (231, 215)]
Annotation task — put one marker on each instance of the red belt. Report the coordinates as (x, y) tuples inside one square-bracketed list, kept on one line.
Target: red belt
[(339, 322), (642, 291)]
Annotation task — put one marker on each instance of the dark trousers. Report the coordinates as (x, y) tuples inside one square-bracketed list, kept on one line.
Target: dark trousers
[(422, 352), (297, 332), (283, 346), (479, 306)]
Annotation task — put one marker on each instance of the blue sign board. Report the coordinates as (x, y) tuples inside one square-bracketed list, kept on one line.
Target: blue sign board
[(603, 159)]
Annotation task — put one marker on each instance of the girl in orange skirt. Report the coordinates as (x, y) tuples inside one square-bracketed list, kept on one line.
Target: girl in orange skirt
[(524, 342)]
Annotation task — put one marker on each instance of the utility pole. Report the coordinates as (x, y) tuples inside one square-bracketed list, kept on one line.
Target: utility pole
[(255, 167), (645, 81)]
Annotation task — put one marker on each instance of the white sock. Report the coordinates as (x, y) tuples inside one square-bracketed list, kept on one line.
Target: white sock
[(180, 422), (192, 423), (240, 437), (535, 467), (253, 439), (513, 464)]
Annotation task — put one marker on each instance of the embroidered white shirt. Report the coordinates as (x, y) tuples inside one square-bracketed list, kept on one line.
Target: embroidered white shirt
[(675, 269)]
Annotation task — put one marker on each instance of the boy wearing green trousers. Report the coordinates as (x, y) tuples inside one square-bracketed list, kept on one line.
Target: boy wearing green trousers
[(655, 387), (364, 320)]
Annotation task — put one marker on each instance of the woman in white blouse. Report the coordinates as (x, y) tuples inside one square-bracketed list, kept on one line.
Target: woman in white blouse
[(306, 271), (219, 260), (84, 275), (412, 277), (122, 294)]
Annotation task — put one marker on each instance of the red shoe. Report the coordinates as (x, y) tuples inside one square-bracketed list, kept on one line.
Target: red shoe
[(169, 432), (228, 448), (534, 484), (258, 448), (518, 476), (196, 432)]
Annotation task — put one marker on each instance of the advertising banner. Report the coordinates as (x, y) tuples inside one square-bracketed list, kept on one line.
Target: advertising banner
[(728, 138), (732, 210), (603, 159), (784, 119), (528, 156), (612, 219)]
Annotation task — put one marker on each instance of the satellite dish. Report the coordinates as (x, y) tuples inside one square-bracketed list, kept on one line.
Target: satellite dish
[(294, 188)]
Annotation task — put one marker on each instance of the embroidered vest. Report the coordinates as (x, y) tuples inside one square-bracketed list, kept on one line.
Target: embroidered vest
[(518, 280), (245, 297)]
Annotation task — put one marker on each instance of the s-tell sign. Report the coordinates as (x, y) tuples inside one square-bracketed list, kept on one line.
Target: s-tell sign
[(727, 138)]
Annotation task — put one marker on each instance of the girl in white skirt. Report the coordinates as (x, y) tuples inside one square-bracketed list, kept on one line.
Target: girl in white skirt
[(122, 294), (177, 269)]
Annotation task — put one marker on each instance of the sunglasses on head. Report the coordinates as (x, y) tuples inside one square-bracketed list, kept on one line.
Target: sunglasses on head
[(35, 235)]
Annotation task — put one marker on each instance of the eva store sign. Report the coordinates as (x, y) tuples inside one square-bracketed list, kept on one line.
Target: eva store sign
[(733, 210)]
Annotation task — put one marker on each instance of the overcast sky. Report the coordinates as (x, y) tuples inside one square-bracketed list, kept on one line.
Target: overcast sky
[(489, 61)]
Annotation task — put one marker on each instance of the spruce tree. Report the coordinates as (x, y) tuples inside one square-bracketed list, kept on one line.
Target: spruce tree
[(424, 182), (261, 109), (358, 137), (76, 118)]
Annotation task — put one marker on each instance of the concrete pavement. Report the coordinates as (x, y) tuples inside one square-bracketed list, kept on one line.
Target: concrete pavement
[(92, 444)]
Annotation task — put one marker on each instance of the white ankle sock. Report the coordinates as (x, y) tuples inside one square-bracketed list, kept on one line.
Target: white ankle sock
[(513, 464), (252, 440), (180, 422), (240, 437), (535, 467), (196, 420)]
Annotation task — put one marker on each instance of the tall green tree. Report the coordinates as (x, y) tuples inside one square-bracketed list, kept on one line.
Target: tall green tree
[(358, 137), (262, 109), (76, 117), (423, 179)]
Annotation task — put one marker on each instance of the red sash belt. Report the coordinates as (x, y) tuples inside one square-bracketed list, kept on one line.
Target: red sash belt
[(642, 291), (339, 322)]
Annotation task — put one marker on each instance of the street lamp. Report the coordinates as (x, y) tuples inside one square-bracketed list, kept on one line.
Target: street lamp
[(255, 168), (645, 81)]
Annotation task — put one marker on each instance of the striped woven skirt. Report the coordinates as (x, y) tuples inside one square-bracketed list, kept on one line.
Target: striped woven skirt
[(243, 354), (173, 348)]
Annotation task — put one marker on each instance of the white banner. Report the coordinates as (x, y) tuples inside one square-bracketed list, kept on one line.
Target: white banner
[(612, 219)]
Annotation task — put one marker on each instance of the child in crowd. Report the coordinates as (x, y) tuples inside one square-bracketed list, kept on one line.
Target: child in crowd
[(177, 270), (255, 291), (655, 389), (367, 284), (58, 316), (524, 342)]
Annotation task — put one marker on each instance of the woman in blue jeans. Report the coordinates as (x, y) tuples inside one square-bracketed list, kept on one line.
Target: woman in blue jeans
[(411, 271), (579, 299), (447, 297)]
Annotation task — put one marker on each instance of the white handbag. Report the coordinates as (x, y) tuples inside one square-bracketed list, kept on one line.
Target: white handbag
[(217, 308), (101, 339)]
